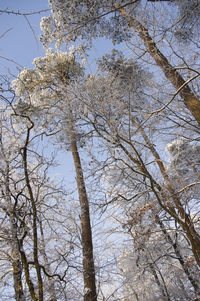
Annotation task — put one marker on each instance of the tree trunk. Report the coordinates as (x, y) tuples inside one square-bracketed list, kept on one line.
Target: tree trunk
[(87, 245), (189, 98), (27, 273), (34, 217), (17, 275), (163, 290)]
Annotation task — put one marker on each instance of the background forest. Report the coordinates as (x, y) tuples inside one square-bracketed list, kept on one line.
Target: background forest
[(124, 224)]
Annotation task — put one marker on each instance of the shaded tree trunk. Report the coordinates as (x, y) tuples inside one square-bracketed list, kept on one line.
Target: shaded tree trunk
[(51, 288), (27, 273), (162, 289)]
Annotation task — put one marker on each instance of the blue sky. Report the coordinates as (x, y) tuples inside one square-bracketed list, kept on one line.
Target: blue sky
[(20, 44), (17, 40)]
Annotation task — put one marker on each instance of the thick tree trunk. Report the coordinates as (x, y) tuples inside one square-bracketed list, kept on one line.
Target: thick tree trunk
[(27, 273), (190, 100), (87, 245)]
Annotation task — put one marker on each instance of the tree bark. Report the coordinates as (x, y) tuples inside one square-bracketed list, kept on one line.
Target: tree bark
[(27, 274), (162, 288), (87, 245)]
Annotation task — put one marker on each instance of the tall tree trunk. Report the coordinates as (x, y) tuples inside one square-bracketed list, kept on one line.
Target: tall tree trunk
[(189, 98), (183, 217), (27, 273), (87, 245)]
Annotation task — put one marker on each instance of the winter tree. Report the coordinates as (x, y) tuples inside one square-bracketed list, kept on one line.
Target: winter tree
[(136, 122), (47, 88), (71, 20)]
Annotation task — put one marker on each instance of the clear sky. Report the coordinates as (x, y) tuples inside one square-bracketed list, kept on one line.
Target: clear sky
[(19, 41), (19, 35)]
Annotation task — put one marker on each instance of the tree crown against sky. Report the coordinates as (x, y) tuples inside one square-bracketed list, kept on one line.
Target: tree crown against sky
[(52, 76), (89, 20), (135, 16)]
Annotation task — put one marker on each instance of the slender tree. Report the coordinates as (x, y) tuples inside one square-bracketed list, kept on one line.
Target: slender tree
[(32, 213), (52, 75)]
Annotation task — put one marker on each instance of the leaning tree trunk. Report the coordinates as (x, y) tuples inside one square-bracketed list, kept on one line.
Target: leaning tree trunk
[(87, 245), (162, 288), (190, 100), (183, 218)]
